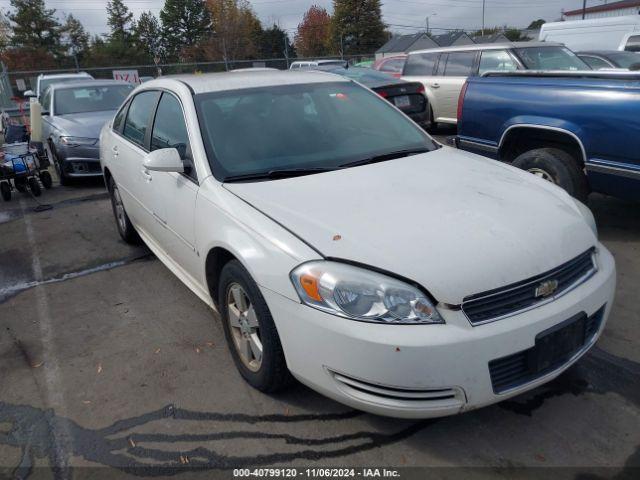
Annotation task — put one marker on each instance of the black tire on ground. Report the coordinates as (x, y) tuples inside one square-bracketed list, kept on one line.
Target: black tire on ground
[(45, 178), (558, 167), (124, 225), (21, 184), (5, 190), (34, 186), (273, 374), (53, 160)]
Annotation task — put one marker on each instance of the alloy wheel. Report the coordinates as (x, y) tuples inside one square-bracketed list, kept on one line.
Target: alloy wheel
[(538, 172), (244, 327)]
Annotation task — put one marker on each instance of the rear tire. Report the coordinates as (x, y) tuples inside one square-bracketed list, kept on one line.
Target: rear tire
[(5, 190), (252, 330), (556, 166), (124, 225), (34, 186)]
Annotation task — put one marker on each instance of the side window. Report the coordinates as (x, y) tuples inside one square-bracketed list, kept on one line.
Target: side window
[(142, 106), (496, 60), (595, 62), (633, 44), (170, 131), (460, 64), (420, 64), (46, 100), (118, 122)]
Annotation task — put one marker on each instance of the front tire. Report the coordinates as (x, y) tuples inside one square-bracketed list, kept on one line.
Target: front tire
[(555, 166), (250, 331), (53, 160), (125, 227)]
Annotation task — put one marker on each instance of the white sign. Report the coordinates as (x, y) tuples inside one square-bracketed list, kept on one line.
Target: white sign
[(130, 76), (22, 86)]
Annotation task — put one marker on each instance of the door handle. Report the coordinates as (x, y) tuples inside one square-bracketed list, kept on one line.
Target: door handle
[(146, 175), (115, 151), (435, 85)]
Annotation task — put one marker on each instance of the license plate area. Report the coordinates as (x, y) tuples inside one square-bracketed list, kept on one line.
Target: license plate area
[(558, 344), (402, 101)]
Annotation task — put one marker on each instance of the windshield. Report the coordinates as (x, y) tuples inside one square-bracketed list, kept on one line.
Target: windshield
[(308, 126), (550, 58), (45, 83), (90, 99), (625, 59)]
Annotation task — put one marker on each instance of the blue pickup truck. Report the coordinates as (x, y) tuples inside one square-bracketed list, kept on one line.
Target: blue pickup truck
[(580, 130)]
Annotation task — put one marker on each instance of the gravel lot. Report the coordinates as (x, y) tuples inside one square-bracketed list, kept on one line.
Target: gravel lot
[(106, 359)]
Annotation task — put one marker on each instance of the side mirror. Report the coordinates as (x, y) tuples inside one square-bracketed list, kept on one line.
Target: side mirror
[(164, 160), (29, 94)]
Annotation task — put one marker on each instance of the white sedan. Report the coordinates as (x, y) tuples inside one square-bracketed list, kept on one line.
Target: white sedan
[(344, 247)]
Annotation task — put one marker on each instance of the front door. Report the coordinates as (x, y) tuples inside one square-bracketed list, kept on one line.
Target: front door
[(457, 68)]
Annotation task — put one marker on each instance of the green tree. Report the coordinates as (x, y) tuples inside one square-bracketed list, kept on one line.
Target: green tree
[(273, 43), (74, 37), (185, 24), (5, 32), (357, 26), (536, 24), (148, 35), (35, 26), (120, 21)]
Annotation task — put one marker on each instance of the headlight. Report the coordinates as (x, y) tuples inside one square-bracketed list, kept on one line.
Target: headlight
[(587, 215), (77, 141), (360, 294)]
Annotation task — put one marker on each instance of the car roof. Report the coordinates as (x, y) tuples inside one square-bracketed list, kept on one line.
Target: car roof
[(220, 82), (604, 53), (488, 46), (65, 75), (86, 83)]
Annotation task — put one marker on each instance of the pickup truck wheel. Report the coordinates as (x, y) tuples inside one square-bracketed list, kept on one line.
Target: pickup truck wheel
[(250, 331), (125, 227), (555, 166)]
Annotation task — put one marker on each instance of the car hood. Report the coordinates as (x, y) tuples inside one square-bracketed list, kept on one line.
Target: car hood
[(456, 223), (86, 125)]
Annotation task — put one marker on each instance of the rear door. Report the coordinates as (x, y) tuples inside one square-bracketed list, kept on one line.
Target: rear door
[(453, 70), (177, 191), (421, 67), (128, 150)]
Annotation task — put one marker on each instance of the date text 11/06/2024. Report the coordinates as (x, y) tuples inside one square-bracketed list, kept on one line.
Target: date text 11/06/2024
[(317, 472)]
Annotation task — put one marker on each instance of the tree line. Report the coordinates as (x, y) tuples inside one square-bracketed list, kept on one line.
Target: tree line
[(33, 37)]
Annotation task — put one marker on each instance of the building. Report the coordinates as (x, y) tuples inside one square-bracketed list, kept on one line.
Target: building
[(453, 39), (495, 38), (405, 44), (612, 9)]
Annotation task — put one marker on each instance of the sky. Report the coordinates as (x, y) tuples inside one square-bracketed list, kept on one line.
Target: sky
[(402, 16)]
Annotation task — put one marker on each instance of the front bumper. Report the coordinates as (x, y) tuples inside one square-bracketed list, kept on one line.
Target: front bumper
[(421, 371), (80, 161)]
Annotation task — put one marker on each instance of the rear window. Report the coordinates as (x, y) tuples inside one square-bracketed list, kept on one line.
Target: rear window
[(420, 64), (633, 44), (626, 59), (394, 65)]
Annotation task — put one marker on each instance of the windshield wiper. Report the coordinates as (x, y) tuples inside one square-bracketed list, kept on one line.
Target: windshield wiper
[(277, 173), (386, 156)]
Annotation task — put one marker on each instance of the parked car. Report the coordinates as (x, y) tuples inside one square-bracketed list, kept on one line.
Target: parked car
[(407, 96), (342, 246), (577, 130), (391, 65), (608, 59), (45, 80), (317, 63), (443, 71), (73, 115), (612, 33)]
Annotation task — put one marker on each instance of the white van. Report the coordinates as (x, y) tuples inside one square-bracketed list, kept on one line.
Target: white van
[(615, 33)]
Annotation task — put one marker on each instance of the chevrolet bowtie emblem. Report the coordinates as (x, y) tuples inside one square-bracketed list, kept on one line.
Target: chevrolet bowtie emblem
[(546, 289)]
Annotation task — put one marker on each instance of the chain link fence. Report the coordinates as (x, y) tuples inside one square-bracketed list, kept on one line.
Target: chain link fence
[(15, 83)]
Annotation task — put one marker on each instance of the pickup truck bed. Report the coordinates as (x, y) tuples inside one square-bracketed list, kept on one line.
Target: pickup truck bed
[(578, 129)]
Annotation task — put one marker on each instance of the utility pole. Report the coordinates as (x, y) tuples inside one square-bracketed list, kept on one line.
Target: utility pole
[(428, 17), (483, 8), (584, 9), (286, 50), (341, 46)]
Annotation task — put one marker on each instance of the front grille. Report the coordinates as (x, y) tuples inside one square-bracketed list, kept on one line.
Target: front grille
[(501, 302), (520, 368)]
